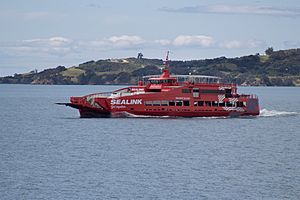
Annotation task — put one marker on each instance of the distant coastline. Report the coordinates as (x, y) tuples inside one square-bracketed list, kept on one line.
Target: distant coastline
[(275, 68)]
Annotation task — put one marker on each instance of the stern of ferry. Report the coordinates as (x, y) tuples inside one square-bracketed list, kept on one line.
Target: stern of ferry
[(252, 105)]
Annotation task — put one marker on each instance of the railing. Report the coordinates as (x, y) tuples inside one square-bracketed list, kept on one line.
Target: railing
[(197, 78), (99, 95), (249, 96), (189, 78)]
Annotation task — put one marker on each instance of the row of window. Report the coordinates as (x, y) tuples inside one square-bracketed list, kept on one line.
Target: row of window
[(167, 103), (196, 103), (220, 104), (161, 81), (196, 90)]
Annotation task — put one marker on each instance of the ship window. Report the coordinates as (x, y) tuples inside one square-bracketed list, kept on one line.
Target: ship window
[(154, 81), (148, 103), (208, 103), (178, 103), (171, 103), (228, 93), (155, 90), (186, 91), (164, 103), (200, 103), (186, 103), (212, 91), (221, 104), (229, 104), (215, 103), (156, 103), (240, 104), (195, 103), (196, 92)]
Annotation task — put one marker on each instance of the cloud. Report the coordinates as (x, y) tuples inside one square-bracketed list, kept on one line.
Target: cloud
[(236, 9), (125, 41), (62, 46), (193, 40), (236, 44), (58, 46), (53, 41), (231, 44), (59, 41), (163, 42)]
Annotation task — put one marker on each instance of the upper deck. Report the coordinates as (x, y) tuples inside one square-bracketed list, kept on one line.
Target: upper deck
[(157, 79)]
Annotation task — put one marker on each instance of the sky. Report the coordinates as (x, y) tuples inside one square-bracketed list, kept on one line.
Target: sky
[(44, 34)]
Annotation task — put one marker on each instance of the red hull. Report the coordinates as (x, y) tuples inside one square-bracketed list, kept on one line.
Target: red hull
[(89, 113)]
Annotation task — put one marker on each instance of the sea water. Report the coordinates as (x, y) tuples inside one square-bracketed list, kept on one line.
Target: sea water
[(48, 152)]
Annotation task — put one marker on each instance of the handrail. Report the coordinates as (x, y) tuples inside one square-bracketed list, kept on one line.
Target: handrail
[(189, 78), (250, 96), (183, 76)]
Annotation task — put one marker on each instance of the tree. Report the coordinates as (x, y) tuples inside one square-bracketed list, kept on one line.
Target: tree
[(140, 56), (269, 51)]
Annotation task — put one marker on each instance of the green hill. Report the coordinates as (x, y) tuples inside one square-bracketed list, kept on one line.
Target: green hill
[(276, 68)]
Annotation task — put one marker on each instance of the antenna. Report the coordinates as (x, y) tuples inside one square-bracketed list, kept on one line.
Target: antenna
[(167, 60)]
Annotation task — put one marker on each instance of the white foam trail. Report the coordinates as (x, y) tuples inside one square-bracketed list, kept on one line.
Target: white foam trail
[(263, 113), (126, 114), (129, 115), (273, 113)]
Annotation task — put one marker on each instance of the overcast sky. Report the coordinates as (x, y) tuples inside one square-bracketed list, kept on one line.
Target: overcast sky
[(38, 34)]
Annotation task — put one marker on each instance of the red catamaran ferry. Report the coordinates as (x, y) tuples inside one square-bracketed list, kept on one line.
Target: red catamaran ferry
[(169, 95)]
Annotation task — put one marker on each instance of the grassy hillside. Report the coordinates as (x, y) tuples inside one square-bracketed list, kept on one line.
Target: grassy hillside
[(276, 68)]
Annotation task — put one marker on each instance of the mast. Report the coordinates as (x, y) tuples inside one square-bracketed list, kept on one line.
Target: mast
[(166, 73), (167, 60)]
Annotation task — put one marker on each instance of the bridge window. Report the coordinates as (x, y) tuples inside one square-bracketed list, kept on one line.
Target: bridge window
[(153, 81), (212, 91)]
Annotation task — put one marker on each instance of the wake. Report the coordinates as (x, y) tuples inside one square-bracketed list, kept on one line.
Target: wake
[(274, 113), (263, 113)]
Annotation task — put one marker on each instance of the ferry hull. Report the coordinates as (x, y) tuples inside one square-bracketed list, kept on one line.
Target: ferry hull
[(87, 112), (84, 113)]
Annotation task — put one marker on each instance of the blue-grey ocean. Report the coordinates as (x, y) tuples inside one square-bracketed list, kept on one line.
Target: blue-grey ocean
[(48, 152)]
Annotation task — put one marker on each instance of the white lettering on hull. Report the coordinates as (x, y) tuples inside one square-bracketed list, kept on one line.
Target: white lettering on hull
[(125, 101)]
